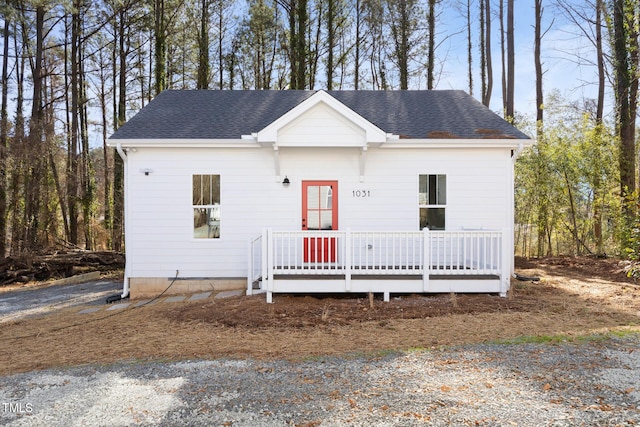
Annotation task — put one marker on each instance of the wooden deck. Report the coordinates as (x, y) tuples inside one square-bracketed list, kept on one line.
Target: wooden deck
[(379, 262)]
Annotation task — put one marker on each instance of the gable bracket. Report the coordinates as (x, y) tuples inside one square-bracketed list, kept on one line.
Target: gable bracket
[(276, 158), (363, 160)]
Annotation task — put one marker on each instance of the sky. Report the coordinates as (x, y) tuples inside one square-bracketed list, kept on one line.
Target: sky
[(561, 48)]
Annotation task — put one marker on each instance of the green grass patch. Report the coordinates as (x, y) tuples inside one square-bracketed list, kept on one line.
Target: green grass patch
[(564, 338)]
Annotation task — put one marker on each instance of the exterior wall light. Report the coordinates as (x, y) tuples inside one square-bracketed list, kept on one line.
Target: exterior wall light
[(286, 182)]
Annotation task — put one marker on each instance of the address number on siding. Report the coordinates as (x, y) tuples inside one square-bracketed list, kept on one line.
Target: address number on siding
[(361, 194)]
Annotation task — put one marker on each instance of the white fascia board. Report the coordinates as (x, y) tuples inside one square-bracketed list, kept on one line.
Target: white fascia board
[(182, 143), (373, 133), (457, 143)]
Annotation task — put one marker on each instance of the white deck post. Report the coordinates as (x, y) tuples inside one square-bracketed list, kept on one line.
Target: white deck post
[(505, 264), (426, 263), (269, 255), (264, 274), (250, 268), (347, 260)]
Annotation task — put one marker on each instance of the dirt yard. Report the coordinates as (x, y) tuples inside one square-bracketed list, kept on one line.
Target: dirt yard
[(575, 297)]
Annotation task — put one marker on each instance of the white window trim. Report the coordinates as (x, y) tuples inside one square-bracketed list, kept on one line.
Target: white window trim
[(192, 207), (430, 206)]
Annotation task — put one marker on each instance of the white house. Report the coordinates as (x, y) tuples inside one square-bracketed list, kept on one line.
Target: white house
[(315, 191)]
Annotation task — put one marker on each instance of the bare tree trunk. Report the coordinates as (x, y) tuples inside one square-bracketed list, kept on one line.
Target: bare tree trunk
[(634, 56), (626, 91), (356, 68), (48, 215), (4, 116), (272, 60), (290, 7), (301, 47), (107, 203), (231, 68), (17, 149), (313, 47), (88, 173), (483, 54), (431, 55), (118, 165), (67, 110), (543, 208), (160, 34), (572, 210), (403, 54), (469, 49), (487, 97), (503, 50), (33, 184), (400, 29), (4, 125), (51, 159), (600, 59), (203, 47), (511, 62), (114, 73), (220, 52), (597, 205), (331, 42), (72, 167), (538, 64)]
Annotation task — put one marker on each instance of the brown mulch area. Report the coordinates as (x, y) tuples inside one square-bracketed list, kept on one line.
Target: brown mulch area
[(575, 296), (330, 310), (603, 268)]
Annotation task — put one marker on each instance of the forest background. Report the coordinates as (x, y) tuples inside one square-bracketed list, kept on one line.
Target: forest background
[(73, 71)]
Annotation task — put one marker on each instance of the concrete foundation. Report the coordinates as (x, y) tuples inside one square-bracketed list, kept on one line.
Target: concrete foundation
[(149, 287)]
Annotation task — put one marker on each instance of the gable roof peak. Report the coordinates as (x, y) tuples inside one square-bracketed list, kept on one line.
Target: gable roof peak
[(372, 133)]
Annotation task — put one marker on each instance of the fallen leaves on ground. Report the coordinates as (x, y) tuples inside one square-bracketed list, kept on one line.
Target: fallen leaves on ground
[(575, 296)]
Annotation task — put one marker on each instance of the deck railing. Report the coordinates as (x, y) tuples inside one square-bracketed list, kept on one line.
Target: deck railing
[(346, 252), (386, 253), (257, 261), (465, 252), (334, 252), (308, 252)]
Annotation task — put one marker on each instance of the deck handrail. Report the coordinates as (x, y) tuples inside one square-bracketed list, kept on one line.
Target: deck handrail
[(255, 270), (339, 252), (352, 257)]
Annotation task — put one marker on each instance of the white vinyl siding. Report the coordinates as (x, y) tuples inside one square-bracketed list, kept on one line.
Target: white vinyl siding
[(251, 198)]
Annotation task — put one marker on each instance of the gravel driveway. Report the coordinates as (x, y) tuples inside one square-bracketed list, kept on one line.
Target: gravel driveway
[(594, 383), (20, 303)]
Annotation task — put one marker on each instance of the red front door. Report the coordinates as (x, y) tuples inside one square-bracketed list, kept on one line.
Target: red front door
[(320, 212)]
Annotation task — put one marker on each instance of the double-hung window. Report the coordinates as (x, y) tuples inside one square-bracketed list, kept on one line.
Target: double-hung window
[(206, 206), (433, 201)]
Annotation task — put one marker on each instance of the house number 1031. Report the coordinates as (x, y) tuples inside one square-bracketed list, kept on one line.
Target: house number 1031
[(361, 194)]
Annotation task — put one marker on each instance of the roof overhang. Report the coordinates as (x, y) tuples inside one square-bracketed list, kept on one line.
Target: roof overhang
[(457, 143), (184, 143), (390, 142)]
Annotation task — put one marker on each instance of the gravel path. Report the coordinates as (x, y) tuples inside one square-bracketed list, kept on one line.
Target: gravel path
[(593, 384), (20, 303)]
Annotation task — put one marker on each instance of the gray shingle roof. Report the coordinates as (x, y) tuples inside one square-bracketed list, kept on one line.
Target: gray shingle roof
[(212, 114)]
